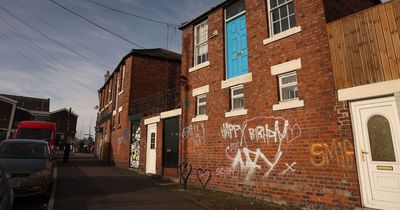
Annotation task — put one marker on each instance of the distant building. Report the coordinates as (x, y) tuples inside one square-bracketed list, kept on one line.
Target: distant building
[(29, 108), (7, 110), (145, 82), (30, 103)]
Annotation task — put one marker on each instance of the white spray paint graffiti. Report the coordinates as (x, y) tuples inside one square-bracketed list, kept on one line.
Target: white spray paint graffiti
[(247, 161), (195, 131), (288, 133), (135, 147)]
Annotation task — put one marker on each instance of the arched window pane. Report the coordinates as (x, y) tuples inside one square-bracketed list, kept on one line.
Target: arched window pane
[(380, 138)]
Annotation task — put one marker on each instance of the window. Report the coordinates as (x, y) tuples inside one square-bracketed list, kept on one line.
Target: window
[(121, 78), (200, 43), (201, 105), (380, 139), (152, 140), (281, 15), (119, 119), (235, 9), (237, 97), (288, 86)]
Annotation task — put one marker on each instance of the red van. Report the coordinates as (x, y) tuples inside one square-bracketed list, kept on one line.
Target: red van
[(38, 130)]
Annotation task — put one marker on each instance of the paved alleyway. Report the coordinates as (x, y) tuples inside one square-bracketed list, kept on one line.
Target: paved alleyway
[(86, 183)]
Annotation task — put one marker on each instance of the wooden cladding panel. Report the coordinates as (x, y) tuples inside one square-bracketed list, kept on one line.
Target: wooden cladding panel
[(365, 47)]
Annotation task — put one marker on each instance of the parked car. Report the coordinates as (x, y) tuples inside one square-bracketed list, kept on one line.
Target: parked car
[(39, 130), (29, 166), (6, 193)]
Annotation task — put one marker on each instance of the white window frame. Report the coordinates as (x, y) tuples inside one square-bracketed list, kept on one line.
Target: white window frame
[(236, 96), (196, 45), (281, 86), (270, 20), (123, 79), (198, 104), (153, 138)]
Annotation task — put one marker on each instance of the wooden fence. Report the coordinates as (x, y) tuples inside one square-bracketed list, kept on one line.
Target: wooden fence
[(365, 47)]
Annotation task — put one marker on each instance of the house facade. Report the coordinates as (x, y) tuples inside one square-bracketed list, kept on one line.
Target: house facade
[(143, 84), (293, 102)]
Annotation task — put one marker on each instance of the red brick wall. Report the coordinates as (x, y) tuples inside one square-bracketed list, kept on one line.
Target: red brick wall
[(144, 77), (121, 135), (336, 9), (152, 77), (316, 166)]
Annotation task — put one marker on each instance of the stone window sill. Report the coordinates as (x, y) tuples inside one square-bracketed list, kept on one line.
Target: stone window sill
[(199, 118), (288, 105), (237, 112), (282, 35), (245, 78), (200, 66)]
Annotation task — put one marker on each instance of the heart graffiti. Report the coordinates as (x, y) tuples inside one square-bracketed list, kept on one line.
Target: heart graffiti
[(204, 176), (185, 169)]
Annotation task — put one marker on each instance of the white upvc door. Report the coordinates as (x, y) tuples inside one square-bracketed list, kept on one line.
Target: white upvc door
[(376, 128), (151, 154)]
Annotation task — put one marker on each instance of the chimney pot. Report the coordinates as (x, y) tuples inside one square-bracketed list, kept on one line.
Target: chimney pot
[(106, 76)]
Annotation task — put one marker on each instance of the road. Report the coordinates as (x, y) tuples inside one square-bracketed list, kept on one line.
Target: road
[(31, 203), (85, 183)]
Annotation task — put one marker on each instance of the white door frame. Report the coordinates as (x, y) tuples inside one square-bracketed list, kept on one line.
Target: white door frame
[(359, 145), (151, 153)]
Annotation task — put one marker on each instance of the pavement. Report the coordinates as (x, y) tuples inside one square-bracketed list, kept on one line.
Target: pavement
[(86, 183)]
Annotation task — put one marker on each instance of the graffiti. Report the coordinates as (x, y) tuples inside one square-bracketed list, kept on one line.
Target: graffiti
[(224, 171), (204, 176), (232, 147), (249, 166), (135, 147), (337, 152), (262, 132), (185, 169), (288, 168), (197, 132), (254, 131)]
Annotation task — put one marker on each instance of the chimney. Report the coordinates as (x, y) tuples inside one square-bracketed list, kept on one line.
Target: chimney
[(106, 76)]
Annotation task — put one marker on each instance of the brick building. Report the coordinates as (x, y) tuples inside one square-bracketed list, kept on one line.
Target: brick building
[(66, 122), (29, 108), (7, 111), (283, 98), (144, 83)]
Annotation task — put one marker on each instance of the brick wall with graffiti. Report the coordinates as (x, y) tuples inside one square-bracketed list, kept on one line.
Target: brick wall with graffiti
[(299, 156)]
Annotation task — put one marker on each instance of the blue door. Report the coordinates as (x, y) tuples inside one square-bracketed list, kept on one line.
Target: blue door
[(236, 47)]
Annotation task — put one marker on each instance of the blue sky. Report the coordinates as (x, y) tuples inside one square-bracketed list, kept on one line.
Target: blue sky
[(32, 65)]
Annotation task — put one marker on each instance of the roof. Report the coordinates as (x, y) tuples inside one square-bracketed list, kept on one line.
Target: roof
[(8, 100), (16, 98), (157, 53), (205, 14), (36, 124), (30, 103), (64, 109)]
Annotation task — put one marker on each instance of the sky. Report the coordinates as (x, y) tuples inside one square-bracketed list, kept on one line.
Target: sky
[(54, 54)]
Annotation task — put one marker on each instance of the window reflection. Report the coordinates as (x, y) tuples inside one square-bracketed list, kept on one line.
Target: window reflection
[(380, 138)]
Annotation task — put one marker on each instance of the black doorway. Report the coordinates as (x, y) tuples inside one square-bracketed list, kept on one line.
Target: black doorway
[(171, 143)]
